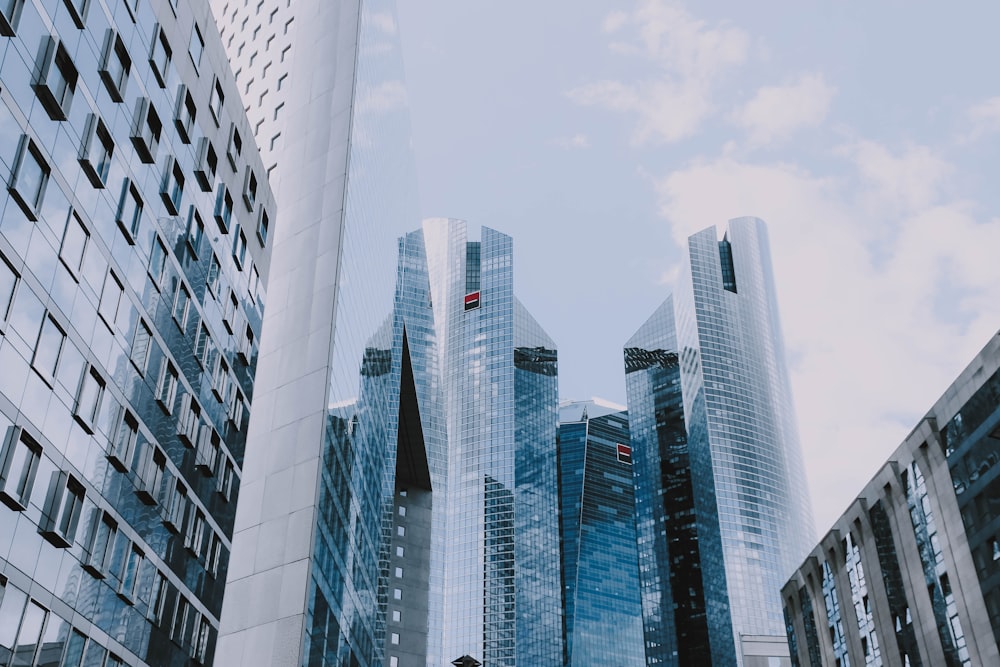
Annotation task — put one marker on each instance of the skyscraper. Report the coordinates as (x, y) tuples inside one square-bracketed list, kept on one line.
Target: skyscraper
[(134, 254), (721, 503), (600, 563), (910, 574), (323, 84)]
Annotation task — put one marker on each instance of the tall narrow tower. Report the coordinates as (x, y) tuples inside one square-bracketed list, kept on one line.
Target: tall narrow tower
[(722, 508)]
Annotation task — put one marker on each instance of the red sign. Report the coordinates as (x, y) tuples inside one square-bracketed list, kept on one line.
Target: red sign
[(624, 453), (472, 300)]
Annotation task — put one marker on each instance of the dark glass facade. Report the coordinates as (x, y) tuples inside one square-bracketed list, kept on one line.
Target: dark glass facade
[(602, 608), (132, 289)]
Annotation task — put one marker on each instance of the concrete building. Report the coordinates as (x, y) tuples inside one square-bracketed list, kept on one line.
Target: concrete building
[(910, 574), (135, 233), (722, 512)]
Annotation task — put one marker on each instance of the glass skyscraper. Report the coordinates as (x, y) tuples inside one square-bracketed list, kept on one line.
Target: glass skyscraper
[(600, 567), (135, 230), (722, 508)]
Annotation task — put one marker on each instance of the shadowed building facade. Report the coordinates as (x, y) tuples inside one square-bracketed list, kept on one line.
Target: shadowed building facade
[(909, 575), (600, 566), (134, 253), (722, 510)]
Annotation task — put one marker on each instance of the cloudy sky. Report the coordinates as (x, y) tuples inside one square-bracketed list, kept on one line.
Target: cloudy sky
[(600, 135)]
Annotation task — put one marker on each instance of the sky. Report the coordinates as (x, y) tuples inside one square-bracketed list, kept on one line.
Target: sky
[(601, 135)]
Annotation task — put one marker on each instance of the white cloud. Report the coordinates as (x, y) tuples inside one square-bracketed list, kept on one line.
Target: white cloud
[(876, 332), (908, 181), (690, 57), (776, 112), (985, 118), (576, 141)]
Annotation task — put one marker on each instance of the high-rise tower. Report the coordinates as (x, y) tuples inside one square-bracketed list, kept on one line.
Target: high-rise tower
[(600, 566), (135, 233), (722, 508)]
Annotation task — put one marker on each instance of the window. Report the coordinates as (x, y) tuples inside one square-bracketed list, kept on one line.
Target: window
[(121, 444), (216, 101), (115, 66), (55, 79), (159, 57), (129, 214), (182, 304), (71, 252), (62, 510), (149, 465), (179, 622), (207, 450), (220, 378), (18, 465), (166, 386), (399, 573), (176, 509), (158, 598), (393, 661), (197, 46), (130, 574), (396, 615), (214, 555), (399, 551), (397, 594), (78, 11), (10, 14), (29, 177), (246, 343), (96, 151), (101, 544), (48, 349), (206, 165), (250, 189), (185, 114), (111, 298), (199, 641), (146, 131), (194, 534), (263, 224), (232, 309), (189, 420), (157, 261), (236, 409), (239, 248), (139, 355), (195, 231), (74, 649), (172, 190), (8, 283), (402, 510), (223, 208), (203, 346), (394, 638), (212, 279), (226, 474), (234, 150), (88, 400), (401, 531)]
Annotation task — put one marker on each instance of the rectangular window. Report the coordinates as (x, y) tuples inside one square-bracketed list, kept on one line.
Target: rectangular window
[(172, 189), (129, 215), (263, 223), (158, 598), (206, 165), (71, 252), (121, 444), (250, 189), (149, 465), (197, 46), (223, 208), (220, 378), (10, 15), (141, 344), (157, 262), (96, 151), (195, 231), (8, 285), (188, 420), (185, 114), (130, 574), (396, 615), (237, 408), (180, 620), (246, 344), (103, 534), (115, 66), (214, 555), (166, 386), (176, 509), (18, 465), (199, 642), (147, 130), (88, 400), (111, 299), (239, 247), (29, 178), (63, 505), (74, 649), (194, 535), (55, 79), (182, 304), (212, 279), (48, 349), (225, 478), (231, 312), (160, 55), (234, 150), (207, 454), (203, 347), (216, 101)]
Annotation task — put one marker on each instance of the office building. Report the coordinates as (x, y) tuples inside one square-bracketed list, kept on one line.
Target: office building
[(134, 252), (722, 512), (322, 82), (600, 563), (909, 575)]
